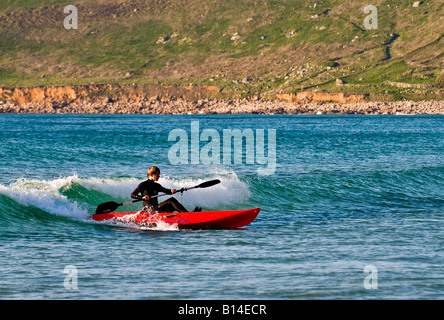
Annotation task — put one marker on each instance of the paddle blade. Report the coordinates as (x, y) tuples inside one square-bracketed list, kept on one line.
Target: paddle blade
[(208, 183), (107, 207)]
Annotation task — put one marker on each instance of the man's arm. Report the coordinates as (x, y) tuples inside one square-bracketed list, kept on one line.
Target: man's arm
[(165, 190), (135, 193)]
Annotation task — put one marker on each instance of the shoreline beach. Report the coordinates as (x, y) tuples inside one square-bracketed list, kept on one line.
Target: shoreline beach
[(208, 106)]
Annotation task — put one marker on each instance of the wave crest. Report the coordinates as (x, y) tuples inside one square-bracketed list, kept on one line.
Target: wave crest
[(77, 197)]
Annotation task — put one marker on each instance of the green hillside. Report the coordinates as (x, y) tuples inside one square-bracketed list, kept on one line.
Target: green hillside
[(249, 46)]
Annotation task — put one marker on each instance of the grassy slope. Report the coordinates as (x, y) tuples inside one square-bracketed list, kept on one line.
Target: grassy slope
[(282, 46)]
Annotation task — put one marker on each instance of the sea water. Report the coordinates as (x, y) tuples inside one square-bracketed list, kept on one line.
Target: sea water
[(353, 209)]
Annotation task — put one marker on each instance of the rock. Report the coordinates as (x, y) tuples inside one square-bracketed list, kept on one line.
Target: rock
[(246, 80), (162, 40), (235, 37), (64, 100), (417, 4)]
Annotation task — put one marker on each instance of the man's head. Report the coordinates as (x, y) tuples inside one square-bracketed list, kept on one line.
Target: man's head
[(153, 173)]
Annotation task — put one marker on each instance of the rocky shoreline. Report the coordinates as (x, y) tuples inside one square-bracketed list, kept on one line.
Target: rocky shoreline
[(207, 106)]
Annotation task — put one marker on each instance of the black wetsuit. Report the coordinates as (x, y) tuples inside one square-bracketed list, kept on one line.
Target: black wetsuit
[(151, 188)]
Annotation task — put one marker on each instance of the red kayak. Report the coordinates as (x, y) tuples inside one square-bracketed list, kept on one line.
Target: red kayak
[(186, 220)]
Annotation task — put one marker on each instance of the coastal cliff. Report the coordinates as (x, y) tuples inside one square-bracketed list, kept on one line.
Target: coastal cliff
[(195, 99)]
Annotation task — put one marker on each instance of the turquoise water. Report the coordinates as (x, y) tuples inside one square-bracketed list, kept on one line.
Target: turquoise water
[(347, 194)]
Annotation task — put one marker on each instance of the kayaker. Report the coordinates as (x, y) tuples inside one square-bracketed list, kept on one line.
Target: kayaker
[(150, 188)]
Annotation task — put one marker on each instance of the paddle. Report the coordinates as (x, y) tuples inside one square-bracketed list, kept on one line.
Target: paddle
[(110, 206)]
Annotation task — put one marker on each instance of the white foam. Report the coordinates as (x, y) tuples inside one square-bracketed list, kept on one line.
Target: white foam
[(45, 195), (116, 187), (128, 221), (230, 191)]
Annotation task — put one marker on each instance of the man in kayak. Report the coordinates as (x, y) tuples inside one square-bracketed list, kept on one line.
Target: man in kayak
[(150, 187)]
